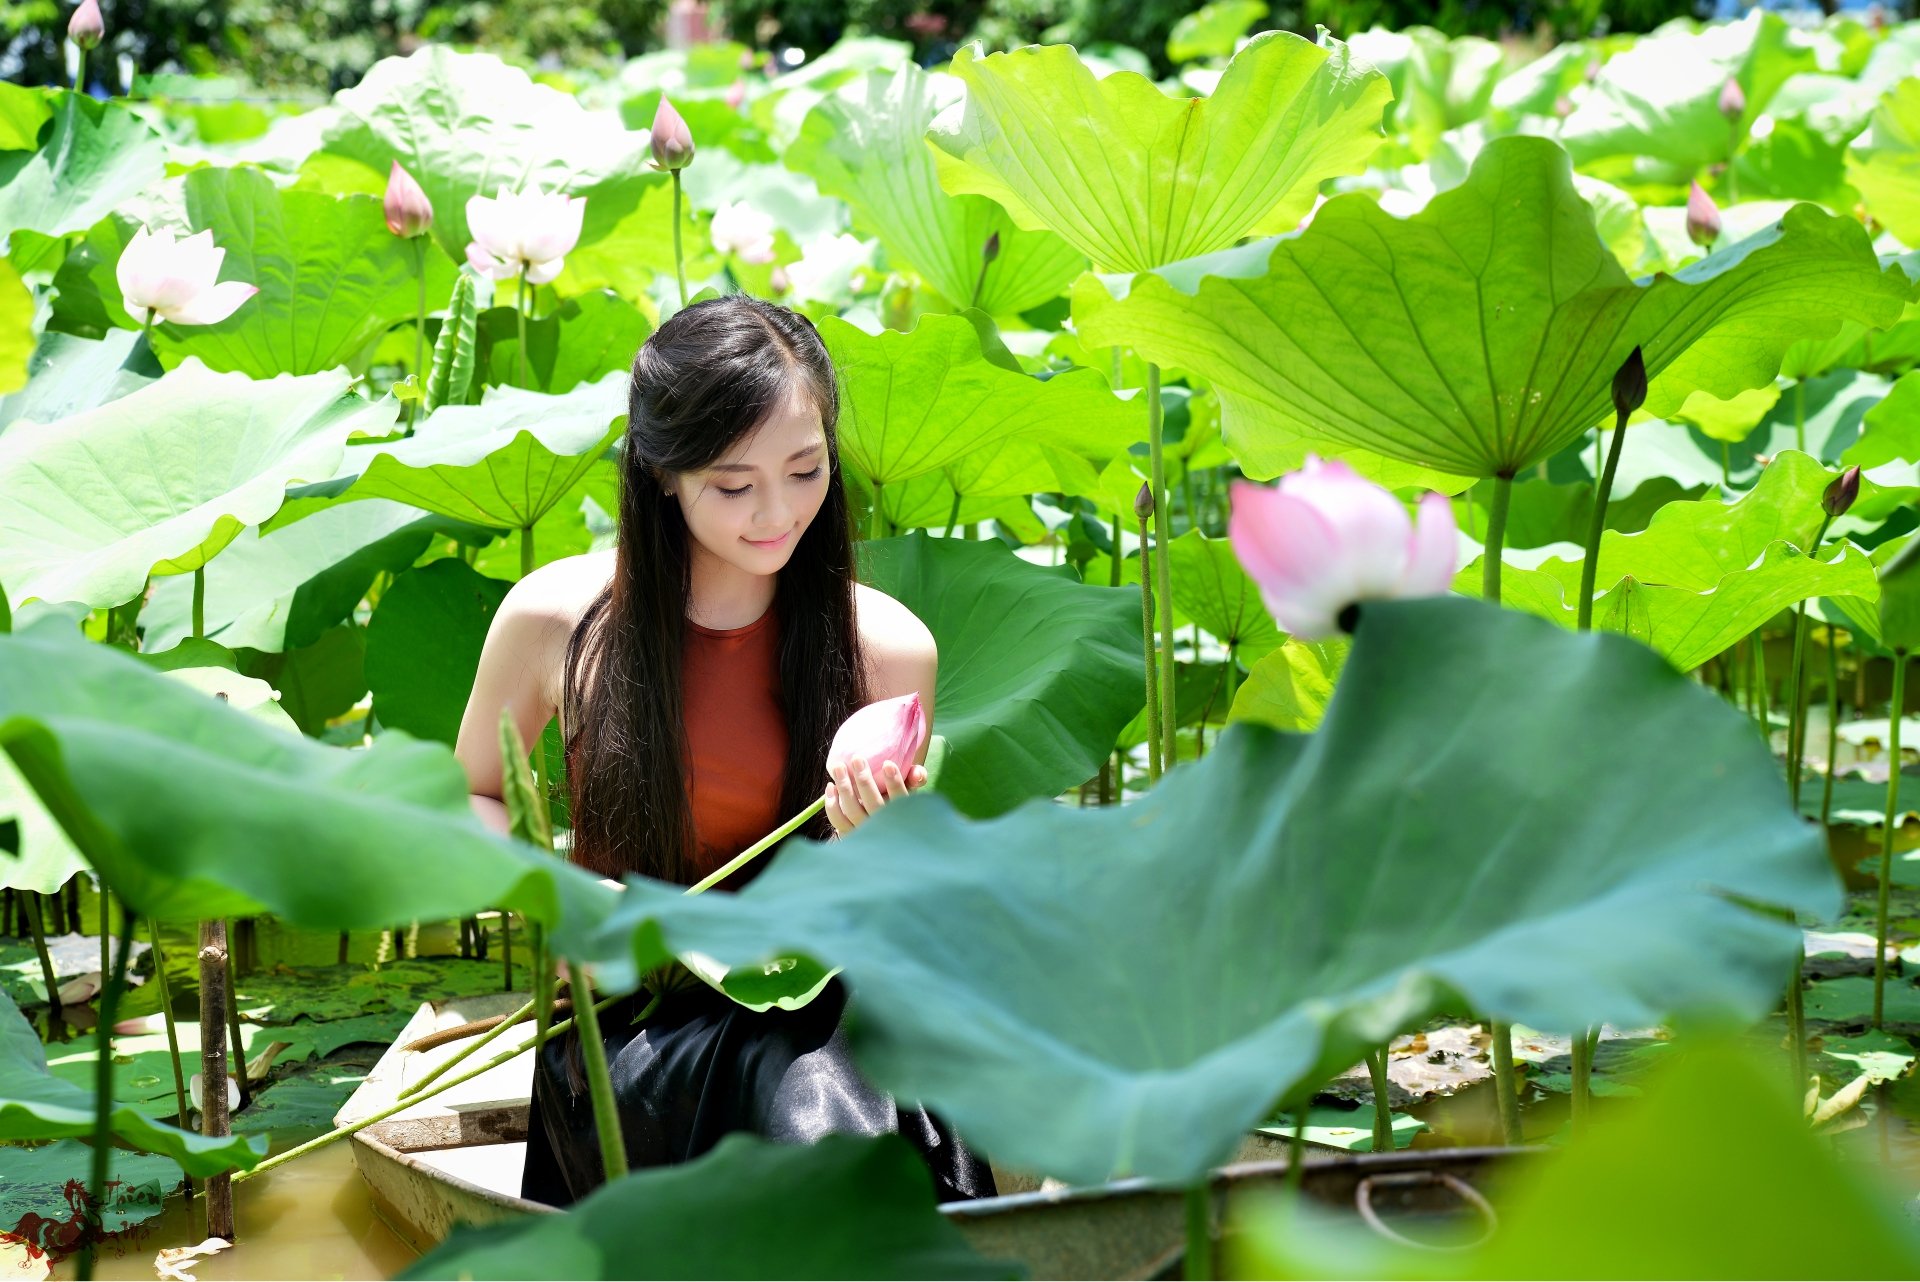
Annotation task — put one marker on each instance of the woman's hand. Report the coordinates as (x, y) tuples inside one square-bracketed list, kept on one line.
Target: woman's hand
[(854, 794)]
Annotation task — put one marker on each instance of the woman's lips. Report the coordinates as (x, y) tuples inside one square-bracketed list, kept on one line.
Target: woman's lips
[(771, 543)]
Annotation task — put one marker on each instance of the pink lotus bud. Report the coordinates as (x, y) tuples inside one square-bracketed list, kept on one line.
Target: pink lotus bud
[(1323, 539), (85, 28), (671, 140), (174, 280), (528, 231), (1703, 217), (409, 212), (890, 730), (1841, 492), (736, 94), (1733, 99), (991, 250)]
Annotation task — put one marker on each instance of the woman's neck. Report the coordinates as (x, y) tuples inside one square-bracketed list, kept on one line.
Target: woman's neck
[(722, 595)]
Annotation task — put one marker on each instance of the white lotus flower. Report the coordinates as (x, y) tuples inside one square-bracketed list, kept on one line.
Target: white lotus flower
[(525, 231), (174, 280), (196, 1092), (826, 265), (743, 231)]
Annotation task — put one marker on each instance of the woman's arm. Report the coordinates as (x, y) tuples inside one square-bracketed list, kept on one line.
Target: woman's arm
[(516, 671)]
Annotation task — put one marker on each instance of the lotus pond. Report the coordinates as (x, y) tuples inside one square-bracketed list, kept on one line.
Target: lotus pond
[(1526, 772)]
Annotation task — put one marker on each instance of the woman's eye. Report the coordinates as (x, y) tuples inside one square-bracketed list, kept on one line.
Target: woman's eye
[(798, 476)]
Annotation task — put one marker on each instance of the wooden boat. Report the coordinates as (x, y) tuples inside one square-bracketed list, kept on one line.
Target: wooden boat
[(456, 1158)]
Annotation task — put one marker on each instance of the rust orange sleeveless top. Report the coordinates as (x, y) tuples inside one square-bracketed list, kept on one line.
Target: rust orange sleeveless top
[(736, 735)]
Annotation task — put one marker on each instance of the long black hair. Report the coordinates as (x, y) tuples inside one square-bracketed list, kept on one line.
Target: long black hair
[(709, 376)]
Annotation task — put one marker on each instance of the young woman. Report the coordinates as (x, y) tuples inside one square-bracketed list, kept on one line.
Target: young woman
[(699, 671)]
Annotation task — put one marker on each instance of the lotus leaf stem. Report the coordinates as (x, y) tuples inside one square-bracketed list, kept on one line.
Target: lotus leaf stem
[(419, 328), (752, 852), (239, 1058), (1506, 1088), (1297, 1148), (200, 601), (213, 1067), (1886, 833), (1154, 764), (166, 1011), (30, 904), (1496, 537), (115, 983), (520, 353), (351, 1128), (1163, 571), (1199, 1261), (606, 1113), (1382, 1105), (1833, 724), (1233, 675)]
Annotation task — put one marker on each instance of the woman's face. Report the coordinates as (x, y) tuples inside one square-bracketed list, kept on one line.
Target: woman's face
[(751, 506)]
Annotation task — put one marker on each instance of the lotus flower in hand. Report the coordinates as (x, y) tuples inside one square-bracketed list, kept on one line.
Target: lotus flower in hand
[(1323, 539), (871, 759)]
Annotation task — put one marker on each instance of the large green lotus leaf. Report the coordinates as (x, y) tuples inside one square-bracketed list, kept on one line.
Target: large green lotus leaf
[(1884, 163), (582, 341), (281, 591), (637, 251), (46, 858), (67, 375), (503, 462), (1688, 626), (159, 481), (1211, 588), (1740, 1171), (92, 156), (923, 400), (1482, 334), (1038, 671), (423, 646), (191, 808), (22, 111), (866, 143), (1655, 106), (332, 278), (16, 328), (842, 1207), (1125, 990), (34, 1105), (1132, 178), (467, 124), (1890, 430)]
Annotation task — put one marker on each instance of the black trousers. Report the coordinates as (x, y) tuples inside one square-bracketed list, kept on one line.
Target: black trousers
[(701, 1066)]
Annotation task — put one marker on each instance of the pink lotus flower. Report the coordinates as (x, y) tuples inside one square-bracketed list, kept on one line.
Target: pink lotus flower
[(1703, 217), (408, 210), (736, 94), (174, 280), (740, 229), (526, 231), (85, 27), (670, 139), (890, 730), (1323, 539)]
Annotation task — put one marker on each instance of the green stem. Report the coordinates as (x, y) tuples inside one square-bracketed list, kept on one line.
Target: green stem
[(1297, 1148), (1796, 686), (116, 982), (1596, 527), (877, 518), (1382, 1108), (1163, 569), (1199, 1262), (1113, 562), (30, 903), (440, 1070), (1506, 1088), (526, 550), (752, 852), (166, 1011), (606, 1113), (1886, 833), (1154, 765), (1233, 675), (1581, 1094), (400, 1105), (1833, 725), (953, 516), (679, 263), (1800, 415), (1726, 466), (239, 1059), (506, 950), (106, 930), (1496, 537), (520, 353), (200, 601), (420, 327)]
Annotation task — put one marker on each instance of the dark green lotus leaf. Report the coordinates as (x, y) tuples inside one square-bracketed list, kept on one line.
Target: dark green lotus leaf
[(331, 277), (317, 682), (1212, 589), (467, 124), (582, 341), (842, 1207), (159, 481), (1174, 177), (866, 143), (423, 646), (504, 462), (92, 156), (1125, 990), (34, 1105), (1038, 671), (1482, 334), (35, 1182), (191, 808)]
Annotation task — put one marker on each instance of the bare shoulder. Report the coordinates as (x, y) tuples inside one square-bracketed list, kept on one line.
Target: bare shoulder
[(545, 607), (901, 654)]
